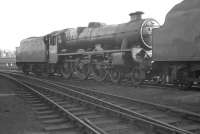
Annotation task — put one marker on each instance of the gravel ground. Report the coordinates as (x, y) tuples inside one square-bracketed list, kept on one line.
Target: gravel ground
[(15, 116), (189, 100)]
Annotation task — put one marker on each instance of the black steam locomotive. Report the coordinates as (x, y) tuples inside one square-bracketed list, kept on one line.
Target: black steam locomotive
[(99, 51), (137, 50)]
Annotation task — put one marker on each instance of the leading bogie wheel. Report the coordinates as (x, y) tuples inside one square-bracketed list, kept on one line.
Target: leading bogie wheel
[(137, 76)]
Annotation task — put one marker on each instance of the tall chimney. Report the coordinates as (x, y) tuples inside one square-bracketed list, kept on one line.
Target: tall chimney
[(136, 15)]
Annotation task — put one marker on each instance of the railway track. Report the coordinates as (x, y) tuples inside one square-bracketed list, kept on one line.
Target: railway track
[(55, 118), (178, 118), (173, 117), (181, 120), (86, 114)]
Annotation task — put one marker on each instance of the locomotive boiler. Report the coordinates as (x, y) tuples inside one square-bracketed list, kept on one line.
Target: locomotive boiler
[(100, 50), (137, 32)]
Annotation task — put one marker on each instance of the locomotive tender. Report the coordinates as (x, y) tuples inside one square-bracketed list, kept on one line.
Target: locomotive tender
[(99, 50)]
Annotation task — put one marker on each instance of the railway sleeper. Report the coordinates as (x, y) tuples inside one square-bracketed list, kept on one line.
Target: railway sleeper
[(48, 116), (191, 127), (45, 112), (56, 127), (54, 121)]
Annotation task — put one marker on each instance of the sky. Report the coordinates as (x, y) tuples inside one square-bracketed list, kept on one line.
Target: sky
[(21, 19)]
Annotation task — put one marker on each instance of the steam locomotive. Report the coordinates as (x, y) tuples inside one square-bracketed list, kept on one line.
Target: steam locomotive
[(98, 51), (137, 50)]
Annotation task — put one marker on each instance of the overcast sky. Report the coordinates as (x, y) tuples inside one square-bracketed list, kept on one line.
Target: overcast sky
[(24, 18)]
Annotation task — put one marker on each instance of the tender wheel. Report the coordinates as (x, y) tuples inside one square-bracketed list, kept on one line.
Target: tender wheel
[(183, 82), (36, 69), (99, 72), (81, 70), (25, 70), (66, 70), (185, 85), (137, 76), (115, 75)]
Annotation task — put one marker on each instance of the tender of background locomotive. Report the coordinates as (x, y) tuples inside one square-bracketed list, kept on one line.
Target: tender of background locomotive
[(176, 45), (99, 50)]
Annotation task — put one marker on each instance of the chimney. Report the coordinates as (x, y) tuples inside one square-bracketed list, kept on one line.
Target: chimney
[(136, 15)]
